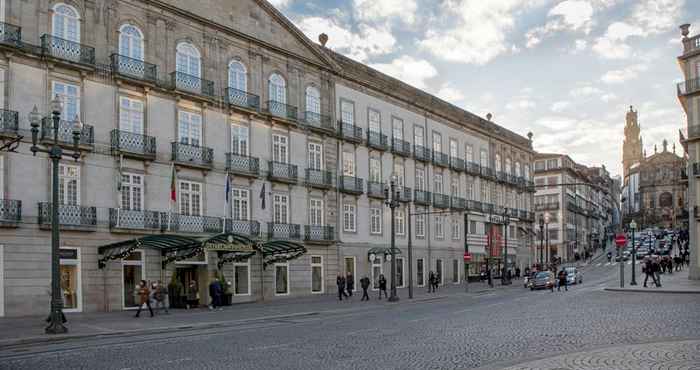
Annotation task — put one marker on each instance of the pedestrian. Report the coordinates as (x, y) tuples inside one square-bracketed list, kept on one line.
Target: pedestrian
[(161, 296), (656, 269), (431, 282), (437, 281), (340, 282), (192, 293), (215, 292), (382, 286), (517, 272), (669, 264), (648, 271), (152, 294), (144, 294), (350, 283), (364, 283), (562, 281)]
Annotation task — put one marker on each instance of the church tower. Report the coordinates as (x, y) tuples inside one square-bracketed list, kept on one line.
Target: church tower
[(632, 146)]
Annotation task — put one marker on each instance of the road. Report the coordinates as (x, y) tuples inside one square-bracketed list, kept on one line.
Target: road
[(584, 328)]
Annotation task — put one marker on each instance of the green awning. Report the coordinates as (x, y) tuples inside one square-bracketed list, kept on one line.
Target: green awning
[(163, 243), (280, 251)]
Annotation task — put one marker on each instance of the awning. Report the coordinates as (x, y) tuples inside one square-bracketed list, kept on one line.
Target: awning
[(377, 251), (163, 243), (280, 251)]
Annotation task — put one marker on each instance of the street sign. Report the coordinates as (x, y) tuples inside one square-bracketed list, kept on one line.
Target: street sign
[(620, 240), (467, 256)]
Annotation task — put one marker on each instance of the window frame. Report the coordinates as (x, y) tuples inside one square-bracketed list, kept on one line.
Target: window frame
[(242, 71), (349, 209), (130, 111), (130, 186), (236, 216), (186, 51), (131, 39), (375, 218), (245, 264), (288, 287), (319, 264), (64, 32)]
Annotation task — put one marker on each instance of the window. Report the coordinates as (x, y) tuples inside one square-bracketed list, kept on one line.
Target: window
[(420, 226), (552, 164), (470, 190), (132, 274), (439, 271), (439, 229), (281, 279), (132, 192), (190, 198), (190, 128), (277, 87), (400, 222), (375, 220), (437, 142), (240, 206), (280, 209), (316, 274), (187, 60), (349, 220), (552, 182), (375, 170), (455, 271), (347, 112), (539, 166), (241, 278), (349, 164), (400, 281), (418, 136), (508, 168), (453, 148), (71, 285), (131, 115), (66, 23), (420, 179), (472, 227), (420, 272), (397, 128), (517, 169), (399, 172), (239, 140), (484, 191), (313, 102), (498, 162), (70, 96), (454, 187), (376, 271), (315, 212), (455, 229), (484, 158), (375, 120), (131, 42), (2, 177), (437, 182), (68, 185), (469, 153), (280, 149), (237, 76), (315, 156)]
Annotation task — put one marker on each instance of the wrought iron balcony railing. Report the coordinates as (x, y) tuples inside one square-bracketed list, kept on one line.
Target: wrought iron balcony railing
[(547, 206), (350, 132), (488, 207), (405, 194), (475, 205), (441, 159), (458, 203), (192, 84), (10, 34), (696, 169), (441, 200), (56, 47), (320, 179), (421, 153), (522, 214), (501, 176), (318, 122), (242, 99), (400, 147), (134, 68), (9, 122), (282, 110), (282, 172), (242, 165), (315, 233), (351, 185), (192, 224), (69, 215), (10, 211), (377, 140), (375, 190), (457, 164), (245, 227), (488, 173), (133, 145), (137, 220), (65, 132), (192, 155), (688, 87), (283, 231), (472, 168), (421, 197)]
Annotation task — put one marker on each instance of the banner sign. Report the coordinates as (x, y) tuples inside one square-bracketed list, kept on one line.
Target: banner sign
[(228, 247)]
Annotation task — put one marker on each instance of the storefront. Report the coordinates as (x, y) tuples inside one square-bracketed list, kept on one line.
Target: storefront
[(377, 257), (71, 280)]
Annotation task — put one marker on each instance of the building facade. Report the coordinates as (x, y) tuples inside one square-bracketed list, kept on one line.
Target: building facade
[(215, 117)]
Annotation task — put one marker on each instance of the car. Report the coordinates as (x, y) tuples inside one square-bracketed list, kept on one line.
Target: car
[(543, 280), (573, 276)]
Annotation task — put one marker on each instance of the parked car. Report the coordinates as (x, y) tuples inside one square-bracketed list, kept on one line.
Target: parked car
[(543, 280), (573, 275)]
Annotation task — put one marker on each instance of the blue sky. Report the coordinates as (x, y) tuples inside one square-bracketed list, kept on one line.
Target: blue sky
[(567, 70)]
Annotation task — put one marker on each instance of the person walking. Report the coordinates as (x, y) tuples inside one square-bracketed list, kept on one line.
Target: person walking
[(349, 283), (649, 271), (562, 281), (431, 282), (340, 282), (144, 294), (517, 273), (161, 296), (192, 293), (437, 281), (656, 269), (215, 292), (382, 286), (364, 283)]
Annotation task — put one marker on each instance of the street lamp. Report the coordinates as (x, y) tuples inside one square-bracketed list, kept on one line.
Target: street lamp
[(55, 152), (541, 240), (547, 217), (392, 201), (633, 225)]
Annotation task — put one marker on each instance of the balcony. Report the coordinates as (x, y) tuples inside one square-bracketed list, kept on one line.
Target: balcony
[(133, 145), (441, 159), (405, 194), (245, 227), (696, 169), (190, 224), (319, 123), (319, 234), (71, 216), (192, 155), (241, 99), (421, 153), (474, 205), (488, 173), (421, 197), (10, 212), (351, 185), (501, 177), (242, 165), (377, 140), (123, 219), (688, 87), (691, 44), (192, 84), (375, 190), (9, 123), (400, 147), (457, 164), (283, 231), (472, 168), (282, 110), (350, 132), (457, 203), (134, 69), (62, 49), (547, 206), (65, 133), (10, 34), (319, 179), (488, 207), (282, 172)]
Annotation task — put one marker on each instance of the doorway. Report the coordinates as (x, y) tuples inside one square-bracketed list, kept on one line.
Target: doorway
[(188, 273)]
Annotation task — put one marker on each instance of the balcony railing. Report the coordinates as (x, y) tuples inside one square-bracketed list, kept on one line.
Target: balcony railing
[(400, 147), (71, 51), (130, 144), (245, 227), (501, 176), (65, 132), (351, 185), (283, 231), (69, 215), (472, 168), (137, 220), (242, 99), (377, 140), (134, 68), (474, 205), (10, 212), (405, 194), (547, 206), (688, 86), (691, 44), (319, 122), (282, 172), (421, 153), (421, 197), (242, 165), (195, 224), (457, 164), (192, 84), (488, 207), (320, 179), (441, 200), (282, 110), (441, 159), (315, 233), (350, 132), (192, 155), (458, 203), (10, 34), (9, 122), (375, 190), (488, 173), (522, 214)]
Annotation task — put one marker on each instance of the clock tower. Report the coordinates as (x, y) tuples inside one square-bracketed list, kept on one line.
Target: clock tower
[(632, 146)]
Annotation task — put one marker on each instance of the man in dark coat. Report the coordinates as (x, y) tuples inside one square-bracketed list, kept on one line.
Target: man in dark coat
[(215, 292), (364, 283), (431, 282), (350, 283), (382, 286), (562, 281), (649, 271), (340, 282)]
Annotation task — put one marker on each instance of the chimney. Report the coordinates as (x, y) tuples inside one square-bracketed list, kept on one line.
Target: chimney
[(685, 30), (323, 39)]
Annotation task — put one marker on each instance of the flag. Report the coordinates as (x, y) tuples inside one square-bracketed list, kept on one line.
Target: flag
[(173, 186), (262, 196), (227, 187)]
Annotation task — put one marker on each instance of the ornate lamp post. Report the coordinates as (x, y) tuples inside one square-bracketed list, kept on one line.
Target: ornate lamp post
[(541, 241), (633, 225), (506, 220), (55, 152), (392, 201), (547, 217)]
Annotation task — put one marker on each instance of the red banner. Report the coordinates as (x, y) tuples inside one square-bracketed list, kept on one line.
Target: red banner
[(495, 242)]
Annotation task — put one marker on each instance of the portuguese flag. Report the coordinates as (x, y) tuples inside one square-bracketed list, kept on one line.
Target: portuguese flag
[(173, 185)]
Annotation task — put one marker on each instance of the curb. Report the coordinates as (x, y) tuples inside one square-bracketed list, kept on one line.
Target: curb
[(662, 291)]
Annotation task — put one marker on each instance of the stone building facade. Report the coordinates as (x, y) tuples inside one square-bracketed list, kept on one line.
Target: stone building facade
[(257, 131)]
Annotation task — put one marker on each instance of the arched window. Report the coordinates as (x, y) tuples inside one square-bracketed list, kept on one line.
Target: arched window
[(278, 88), (188, 60), (507, 169), (66, 22), (666, 200), (313, 100), (237, 76), (517, 169), (131, 42)]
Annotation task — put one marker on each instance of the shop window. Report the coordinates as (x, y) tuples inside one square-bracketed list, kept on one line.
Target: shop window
[(316, 274), (420, 272), (241, 278), (281, 279), (70, 280), (132, 274)]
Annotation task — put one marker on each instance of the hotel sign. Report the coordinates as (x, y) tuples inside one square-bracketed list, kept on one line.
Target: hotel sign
[(228, 247), (495, 219)]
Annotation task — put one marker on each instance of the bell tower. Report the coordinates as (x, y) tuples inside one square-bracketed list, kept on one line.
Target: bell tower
[(632, 146)]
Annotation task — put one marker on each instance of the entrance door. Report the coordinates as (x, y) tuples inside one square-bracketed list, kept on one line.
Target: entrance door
[(2, 280), (132, 274)]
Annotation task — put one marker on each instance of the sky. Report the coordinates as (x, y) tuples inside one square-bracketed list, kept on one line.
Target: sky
[(565, 70)]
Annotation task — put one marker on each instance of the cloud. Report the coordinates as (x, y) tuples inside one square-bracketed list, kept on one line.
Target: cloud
[(412, 71), (522, 104), (580, 45), (621, 75), (556, 122), (569, 15), (612, 44), (450, 93), (608, 97), (373, 11), (279, 3), (560, 106), (585, 91)]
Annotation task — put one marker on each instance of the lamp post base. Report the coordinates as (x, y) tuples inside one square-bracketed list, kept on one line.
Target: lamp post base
[(393, 298), (56, 324)]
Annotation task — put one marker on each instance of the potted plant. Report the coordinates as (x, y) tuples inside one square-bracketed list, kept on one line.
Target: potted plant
[(226, 288)]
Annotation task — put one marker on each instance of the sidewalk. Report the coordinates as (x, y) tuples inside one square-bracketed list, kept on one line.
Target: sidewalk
[(677, 283), (30, 330)]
